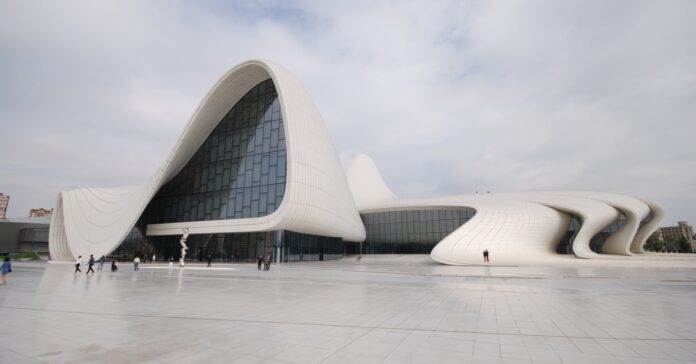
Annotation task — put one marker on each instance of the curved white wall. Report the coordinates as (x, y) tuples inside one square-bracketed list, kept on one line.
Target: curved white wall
[(317, 199), (517, 224)]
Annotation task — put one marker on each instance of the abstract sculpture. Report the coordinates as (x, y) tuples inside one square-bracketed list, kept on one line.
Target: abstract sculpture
[(184, 247)]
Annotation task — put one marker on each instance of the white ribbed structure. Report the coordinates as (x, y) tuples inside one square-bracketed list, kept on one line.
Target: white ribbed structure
[(317, 199), (517, 224)]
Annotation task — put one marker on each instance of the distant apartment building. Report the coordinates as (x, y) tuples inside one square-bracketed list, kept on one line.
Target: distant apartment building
[(40, 212), (683, 229), (4, 201)]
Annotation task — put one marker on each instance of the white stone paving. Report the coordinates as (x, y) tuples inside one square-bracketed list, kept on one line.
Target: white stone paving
[(385, 309)]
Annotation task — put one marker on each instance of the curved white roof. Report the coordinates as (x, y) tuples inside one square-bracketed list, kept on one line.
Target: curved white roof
[(317, 198), (514, 224)]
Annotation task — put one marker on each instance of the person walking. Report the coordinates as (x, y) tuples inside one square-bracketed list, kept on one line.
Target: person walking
[(77, 264), (153, 259), (136, 262), (258, 262), (90, 264), (102, 260), (485, 256), (267, 263), (5, 270), (210, 260)]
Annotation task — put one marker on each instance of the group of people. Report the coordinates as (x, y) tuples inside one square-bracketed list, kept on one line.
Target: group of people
[(265, 260), (91, 262)]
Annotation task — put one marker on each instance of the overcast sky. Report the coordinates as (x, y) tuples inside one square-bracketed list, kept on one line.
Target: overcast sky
[(446, 97)]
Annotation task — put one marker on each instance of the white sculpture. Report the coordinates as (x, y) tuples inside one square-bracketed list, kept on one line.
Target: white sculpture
[(184, 247)]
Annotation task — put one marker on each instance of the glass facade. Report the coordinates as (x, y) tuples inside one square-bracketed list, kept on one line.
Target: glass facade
[(409, 231), (233, 247), (565, 246), (238, 172)]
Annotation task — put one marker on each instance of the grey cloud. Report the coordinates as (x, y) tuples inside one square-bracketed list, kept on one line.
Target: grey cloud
[(448, 97)]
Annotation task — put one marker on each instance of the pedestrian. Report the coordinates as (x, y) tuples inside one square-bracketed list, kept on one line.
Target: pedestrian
[(114, 266), (5, 270), (258, 262), (153, 259), (136, 261), (102, 259), (171, 262), (266, 262), (485, 256), (90, 264), (210, 260), (77, 264), (488, 256)]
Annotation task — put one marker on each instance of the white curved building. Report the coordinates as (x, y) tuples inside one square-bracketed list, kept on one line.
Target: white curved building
[(255, 157), (531, 224), (255, 173)]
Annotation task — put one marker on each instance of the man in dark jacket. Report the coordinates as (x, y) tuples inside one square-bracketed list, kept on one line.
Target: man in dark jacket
[(91, 264)]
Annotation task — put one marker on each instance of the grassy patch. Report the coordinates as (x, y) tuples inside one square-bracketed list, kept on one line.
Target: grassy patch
[(24, 256)]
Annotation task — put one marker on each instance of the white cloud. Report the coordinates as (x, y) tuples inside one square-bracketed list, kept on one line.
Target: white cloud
[(448, 97)]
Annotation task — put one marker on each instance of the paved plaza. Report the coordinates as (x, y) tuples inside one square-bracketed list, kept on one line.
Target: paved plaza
[(384, 309)]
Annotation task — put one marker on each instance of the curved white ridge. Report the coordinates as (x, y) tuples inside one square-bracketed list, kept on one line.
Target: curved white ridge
[(518, 224), (650, 227), (632, 208), (504, 228), (366, 183), (317, 198), (595, 216)]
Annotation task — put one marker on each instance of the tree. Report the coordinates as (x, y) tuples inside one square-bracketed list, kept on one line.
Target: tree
[(671, 245), (684, 246), (654, 244)]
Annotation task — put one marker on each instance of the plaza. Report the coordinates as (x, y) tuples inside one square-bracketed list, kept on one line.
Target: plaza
[(383, 309)]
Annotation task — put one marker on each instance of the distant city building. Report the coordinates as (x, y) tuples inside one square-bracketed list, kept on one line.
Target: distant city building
[(682, 230), (24, 234), (4, 201), (40, 212)]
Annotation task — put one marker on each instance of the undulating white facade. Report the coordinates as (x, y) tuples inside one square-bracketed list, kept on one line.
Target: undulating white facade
[(518, 224), (320, 199)]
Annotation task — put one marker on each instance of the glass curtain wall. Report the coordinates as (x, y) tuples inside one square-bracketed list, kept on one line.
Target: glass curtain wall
[(238, 172), (414, 231), (233, 247)]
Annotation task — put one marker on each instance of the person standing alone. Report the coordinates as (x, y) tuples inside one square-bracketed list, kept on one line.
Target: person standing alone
[(102, 259), (90, 264), (5, 270), (210, 260), (136, 262)]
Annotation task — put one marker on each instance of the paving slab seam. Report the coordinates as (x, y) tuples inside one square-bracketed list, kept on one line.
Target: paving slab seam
[(336, 325)]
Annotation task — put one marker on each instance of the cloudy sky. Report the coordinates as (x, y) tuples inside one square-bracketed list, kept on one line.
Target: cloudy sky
[(447, 97)]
